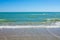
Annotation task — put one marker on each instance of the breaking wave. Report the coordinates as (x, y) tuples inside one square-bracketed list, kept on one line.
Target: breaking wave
[(47, 23)]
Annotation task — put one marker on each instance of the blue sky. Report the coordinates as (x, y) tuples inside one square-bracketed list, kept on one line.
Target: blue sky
[(29, 5)]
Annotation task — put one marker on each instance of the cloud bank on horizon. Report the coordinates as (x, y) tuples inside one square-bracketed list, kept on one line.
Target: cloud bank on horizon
[(29, 5)]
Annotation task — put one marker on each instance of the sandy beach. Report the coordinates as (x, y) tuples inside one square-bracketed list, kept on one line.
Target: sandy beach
[(32, 33)]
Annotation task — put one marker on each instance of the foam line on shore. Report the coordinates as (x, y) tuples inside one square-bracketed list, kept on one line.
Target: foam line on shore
[(30, 26)]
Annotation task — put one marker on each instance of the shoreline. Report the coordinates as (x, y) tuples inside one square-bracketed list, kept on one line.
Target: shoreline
[(29, 26)]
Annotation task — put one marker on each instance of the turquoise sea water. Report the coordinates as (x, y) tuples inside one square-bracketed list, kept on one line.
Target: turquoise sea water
[(28, 16)]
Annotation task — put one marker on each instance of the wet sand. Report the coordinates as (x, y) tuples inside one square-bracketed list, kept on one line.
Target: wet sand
[(27, 34)]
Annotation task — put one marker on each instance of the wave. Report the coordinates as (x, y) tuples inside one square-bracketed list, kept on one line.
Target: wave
[(53, 25), (45, 22)]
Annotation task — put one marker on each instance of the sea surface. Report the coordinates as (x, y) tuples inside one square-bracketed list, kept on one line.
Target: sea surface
[(27, 18)]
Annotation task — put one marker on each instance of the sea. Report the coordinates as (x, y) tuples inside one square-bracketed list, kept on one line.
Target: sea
[(27, 18)]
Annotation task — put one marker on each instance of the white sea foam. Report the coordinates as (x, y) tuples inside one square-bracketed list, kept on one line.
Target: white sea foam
[(56, 25)]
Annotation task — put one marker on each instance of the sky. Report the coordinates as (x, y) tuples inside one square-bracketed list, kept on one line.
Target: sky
[(29, 5)]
